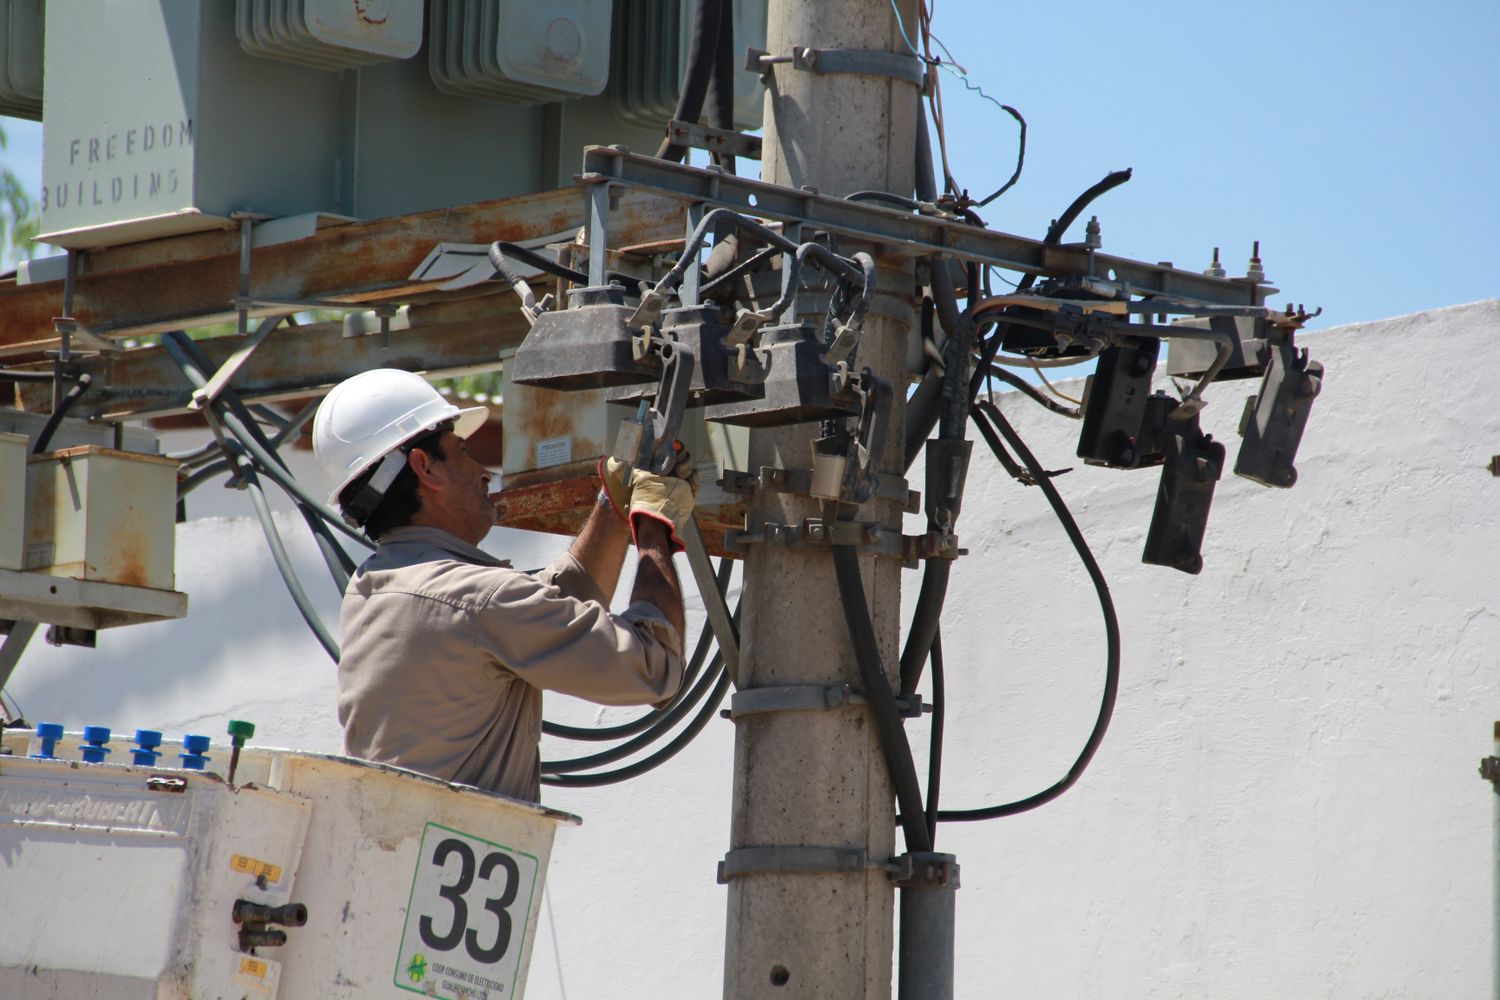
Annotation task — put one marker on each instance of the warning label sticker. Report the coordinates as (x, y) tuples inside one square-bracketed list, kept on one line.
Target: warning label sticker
[(554, 451), (466, 921)]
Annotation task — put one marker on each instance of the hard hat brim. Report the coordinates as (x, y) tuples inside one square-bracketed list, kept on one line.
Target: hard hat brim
[(469, 420)]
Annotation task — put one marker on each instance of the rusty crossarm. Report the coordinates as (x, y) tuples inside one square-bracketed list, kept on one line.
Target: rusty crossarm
[(169, 284)]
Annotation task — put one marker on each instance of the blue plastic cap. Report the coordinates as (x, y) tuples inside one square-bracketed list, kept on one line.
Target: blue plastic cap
[(50, 730), (97, 735), (148, 738), (194, 743)]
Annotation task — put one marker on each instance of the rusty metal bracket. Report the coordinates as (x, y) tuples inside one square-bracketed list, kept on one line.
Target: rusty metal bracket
[(715, 140), (798, 482)]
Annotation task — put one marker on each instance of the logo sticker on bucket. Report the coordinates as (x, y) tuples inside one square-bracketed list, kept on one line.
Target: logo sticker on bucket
[(466, 919)]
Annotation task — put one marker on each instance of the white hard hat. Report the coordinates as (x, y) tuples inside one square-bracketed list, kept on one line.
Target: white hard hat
[(368, 417)]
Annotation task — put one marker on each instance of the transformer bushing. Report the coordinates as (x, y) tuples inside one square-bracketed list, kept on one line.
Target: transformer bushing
[(586, 346), (797, 387)]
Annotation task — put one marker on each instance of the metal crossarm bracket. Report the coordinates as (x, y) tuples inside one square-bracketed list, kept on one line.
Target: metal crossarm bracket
[(798, 482), (808, 698), (868, 537), (860, 62), (898, 232), (715, 140)]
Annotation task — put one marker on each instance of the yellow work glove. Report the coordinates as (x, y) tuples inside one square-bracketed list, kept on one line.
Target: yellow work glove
[(614, 484), (665, 498)]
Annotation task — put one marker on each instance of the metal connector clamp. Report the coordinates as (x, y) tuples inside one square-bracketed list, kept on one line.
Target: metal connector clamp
[(798, 482)]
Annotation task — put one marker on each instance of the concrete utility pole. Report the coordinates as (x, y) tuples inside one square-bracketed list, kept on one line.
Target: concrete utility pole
[(816, 779)]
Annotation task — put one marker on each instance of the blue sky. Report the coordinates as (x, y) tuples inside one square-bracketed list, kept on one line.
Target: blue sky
[(1358, 141)]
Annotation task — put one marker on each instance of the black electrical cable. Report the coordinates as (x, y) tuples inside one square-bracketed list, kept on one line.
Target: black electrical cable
[(993, 440), (1060, 225), (690, 674), (723, 81), (1054, 235), (743, 267), (1032, 392), (701, 55), (882, 700), (666, 753), (1020, 157), (1111, 633), (246, 469), (236, 418), (80, 386), (935, 739), (540, 261)]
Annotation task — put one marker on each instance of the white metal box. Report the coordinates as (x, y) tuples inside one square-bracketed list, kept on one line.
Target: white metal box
[(122, 879), (13, 449), (102, 515)]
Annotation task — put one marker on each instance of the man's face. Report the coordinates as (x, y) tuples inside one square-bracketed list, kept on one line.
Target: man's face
[(463, 491)]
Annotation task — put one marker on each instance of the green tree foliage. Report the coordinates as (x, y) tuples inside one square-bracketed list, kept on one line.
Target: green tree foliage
[(18, 218)]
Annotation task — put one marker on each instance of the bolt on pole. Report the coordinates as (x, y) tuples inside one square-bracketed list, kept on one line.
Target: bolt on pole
[(817, 779)]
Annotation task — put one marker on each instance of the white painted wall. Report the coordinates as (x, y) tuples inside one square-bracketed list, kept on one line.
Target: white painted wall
[(1285, 806)]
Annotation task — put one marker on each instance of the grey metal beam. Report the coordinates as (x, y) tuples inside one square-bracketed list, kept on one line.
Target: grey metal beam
[(902, 231)]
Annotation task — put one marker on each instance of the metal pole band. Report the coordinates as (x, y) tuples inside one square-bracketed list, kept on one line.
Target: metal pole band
[(808, 698), (795, 860)]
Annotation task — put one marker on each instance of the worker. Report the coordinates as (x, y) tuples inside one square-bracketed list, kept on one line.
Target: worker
[(446, 649)]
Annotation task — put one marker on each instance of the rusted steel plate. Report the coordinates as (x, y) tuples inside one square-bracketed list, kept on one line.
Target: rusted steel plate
[(159, 286), (561, 507)]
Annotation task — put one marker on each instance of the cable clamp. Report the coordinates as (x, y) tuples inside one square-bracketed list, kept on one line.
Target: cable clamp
[(925, 870)]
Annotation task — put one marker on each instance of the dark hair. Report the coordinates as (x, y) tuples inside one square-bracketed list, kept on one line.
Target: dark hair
[(401, 502)]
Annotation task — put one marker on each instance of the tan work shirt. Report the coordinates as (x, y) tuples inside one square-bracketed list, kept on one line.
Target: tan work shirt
[(446, 651)]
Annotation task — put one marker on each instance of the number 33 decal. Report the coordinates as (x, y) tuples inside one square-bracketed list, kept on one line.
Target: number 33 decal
[(458, 930)]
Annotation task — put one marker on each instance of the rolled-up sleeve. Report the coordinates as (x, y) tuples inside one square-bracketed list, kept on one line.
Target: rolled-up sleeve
[(554, 631)]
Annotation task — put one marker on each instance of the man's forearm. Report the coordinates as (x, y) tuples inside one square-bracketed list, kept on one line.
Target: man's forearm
[(600, 547), (655, 576)]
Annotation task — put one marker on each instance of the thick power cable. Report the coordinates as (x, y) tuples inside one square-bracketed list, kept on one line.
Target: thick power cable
[(935, 737), (80, 386), (882, 701), (701, 55), (722, 107), (666, 753), (236, 418), (1111, 634), (246, 469)]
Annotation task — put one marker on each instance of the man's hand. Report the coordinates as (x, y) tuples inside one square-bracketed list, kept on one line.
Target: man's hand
[(667, 499)]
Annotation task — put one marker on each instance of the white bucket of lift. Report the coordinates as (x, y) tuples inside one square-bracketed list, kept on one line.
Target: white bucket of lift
[(122, 880)]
